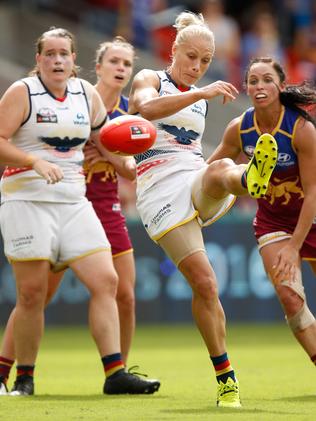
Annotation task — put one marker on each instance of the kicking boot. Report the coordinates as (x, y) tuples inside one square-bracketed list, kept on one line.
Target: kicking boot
[(261, 166), (23, 386), (228, 394), (123, 382)]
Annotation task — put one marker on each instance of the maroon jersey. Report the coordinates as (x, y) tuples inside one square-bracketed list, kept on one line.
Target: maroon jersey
[(102, 191), (280, 208)]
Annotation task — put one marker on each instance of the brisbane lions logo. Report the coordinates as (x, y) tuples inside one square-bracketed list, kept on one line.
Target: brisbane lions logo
[(284, 190)]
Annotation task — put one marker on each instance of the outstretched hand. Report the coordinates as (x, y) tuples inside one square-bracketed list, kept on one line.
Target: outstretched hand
[(220, 88)]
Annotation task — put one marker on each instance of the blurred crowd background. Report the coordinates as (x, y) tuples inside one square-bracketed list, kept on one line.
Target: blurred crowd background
[(284, 29)]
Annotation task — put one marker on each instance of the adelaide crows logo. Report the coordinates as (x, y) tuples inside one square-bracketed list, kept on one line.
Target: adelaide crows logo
[(62, 144), (182, 136)]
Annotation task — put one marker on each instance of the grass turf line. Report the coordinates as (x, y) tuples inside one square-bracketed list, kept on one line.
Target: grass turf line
[(276, 378)]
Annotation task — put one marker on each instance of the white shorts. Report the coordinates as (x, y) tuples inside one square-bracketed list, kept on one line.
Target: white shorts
[(168, 204), (58, 232)]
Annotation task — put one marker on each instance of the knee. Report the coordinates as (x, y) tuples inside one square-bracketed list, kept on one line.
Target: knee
[(290, 300), (205, 287), (31, 298), (301, 320), (298, 315), (126, 299), (219, 166), (112, 284), (104, 284)]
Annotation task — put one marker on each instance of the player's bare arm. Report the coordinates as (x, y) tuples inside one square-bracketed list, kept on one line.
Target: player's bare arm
[(144, 97), (230, 146)]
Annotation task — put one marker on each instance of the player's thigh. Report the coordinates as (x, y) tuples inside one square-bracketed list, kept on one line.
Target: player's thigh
[(269, 253), (31, 276), (96, 271), (183, 241)]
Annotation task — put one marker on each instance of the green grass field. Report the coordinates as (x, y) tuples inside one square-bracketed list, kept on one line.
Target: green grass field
[(277, 380)]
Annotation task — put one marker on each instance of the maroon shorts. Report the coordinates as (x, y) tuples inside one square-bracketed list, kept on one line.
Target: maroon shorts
[(308, 249), (102, 191), (114, 224)]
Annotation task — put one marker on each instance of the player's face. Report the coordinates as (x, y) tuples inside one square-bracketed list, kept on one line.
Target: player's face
[(56, 61), (263, 85), (191, 60), (116, 67)]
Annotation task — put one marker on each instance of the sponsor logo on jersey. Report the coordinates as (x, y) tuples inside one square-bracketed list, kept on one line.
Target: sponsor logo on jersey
[(46, 115), (283, 157), (80, 120), (249, 150), (197, 109), (116, 207), (165, 93)]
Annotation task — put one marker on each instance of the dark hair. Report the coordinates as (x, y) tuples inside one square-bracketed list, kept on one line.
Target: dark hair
[(54, 32), (300, 97)]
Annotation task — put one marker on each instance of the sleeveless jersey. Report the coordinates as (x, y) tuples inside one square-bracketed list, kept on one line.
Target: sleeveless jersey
[(279, 209), (55, 130), (178, 143), (167, 171)]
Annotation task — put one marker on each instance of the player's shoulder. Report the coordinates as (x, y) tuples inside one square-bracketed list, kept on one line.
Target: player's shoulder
[(87, 86), (147, 74), (234, 124), (16, 89)]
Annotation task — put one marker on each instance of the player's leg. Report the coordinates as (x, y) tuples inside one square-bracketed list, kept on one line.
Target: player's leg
[(184, 245), (223, 176), (7, 351), (125, 268), (7, 354), (293, 300), (312, 347), (97, 273), (114, 225), (31, 281)]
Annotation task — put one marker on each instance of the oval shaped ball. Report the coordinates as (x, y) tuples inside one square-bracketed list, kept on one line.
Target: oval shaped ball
[(128, 135)]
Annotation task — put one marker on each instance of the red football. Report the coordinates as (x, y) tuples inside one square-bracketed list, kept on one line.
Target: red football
[(128, 135)]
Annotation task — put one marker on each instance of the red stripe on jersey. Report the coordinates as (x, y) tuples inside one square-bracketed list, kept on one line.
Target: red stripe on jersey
[(12, 171), (144, 167)]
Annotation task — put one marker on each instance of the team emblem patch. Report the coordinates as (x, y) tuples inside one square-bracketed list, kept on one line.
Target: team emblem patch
[(46, 115)]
